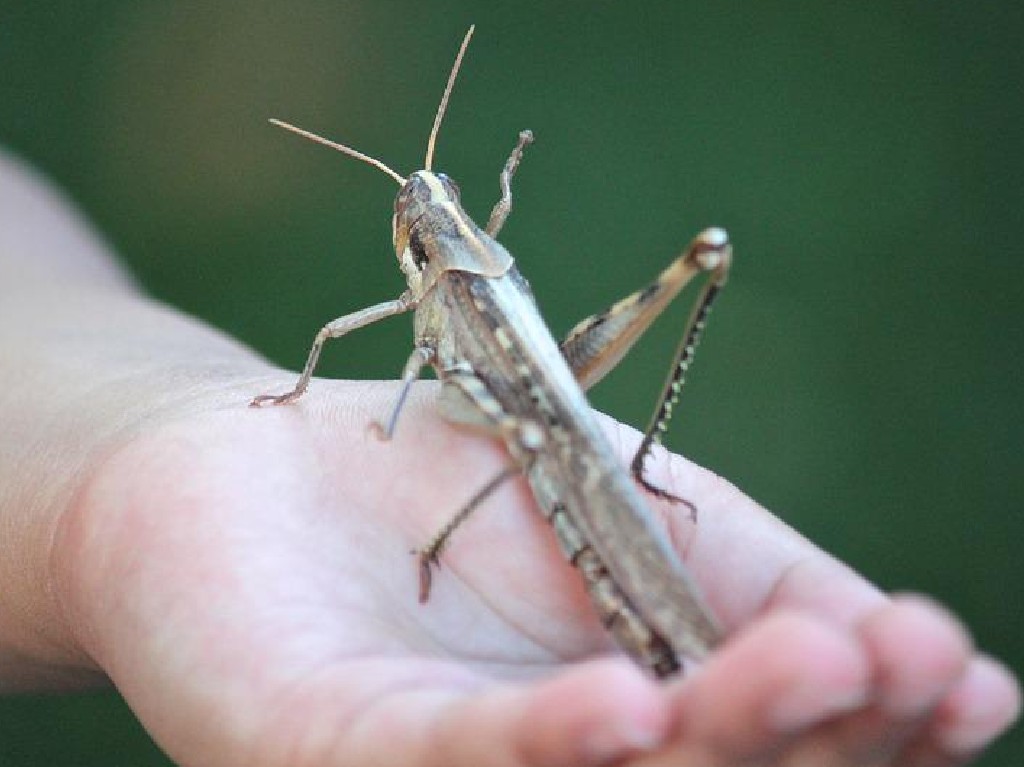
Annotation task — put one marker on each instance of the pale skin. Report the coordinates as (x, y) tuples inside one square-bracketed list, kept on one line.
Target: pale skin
[(243, 575)]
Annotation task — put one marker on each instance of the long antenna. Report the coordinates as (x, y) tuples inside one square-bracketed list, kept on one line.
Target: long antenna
[(444, 99), (341, 148)]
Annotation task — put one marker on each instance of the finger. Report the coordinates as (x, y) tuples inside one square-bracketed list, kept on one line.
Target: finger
[(782, 675), (974, 712), (917, 652), (594, 714)]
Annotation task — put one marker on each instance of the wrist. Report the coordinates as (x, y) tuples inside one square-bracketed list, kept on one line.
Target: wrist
[(70, 405)]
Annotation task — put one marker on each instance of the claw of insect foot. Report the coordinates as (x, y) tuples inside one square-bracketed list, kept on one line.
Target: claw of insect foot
[(426, 561)]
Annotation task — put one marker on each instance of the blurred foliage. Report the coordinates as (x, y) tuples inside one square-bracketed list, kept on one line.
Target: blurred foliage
[(861, 374)]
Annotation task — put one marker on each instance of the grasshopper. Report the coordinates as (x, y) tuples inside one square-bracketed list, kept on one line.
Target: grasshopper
[(476, 322)]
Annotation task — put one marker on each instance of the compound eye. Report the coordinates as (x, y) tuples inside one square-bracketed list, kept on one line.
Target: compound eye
[(419, 252), (450, 186)]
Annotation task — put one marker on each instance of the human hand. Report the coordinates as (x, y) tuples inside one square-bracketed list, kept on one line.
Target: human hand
[(244, 577)]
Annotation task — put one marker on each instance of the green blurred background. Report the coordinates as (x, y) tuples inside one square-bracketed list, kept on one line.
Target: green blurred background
[(860, 376)]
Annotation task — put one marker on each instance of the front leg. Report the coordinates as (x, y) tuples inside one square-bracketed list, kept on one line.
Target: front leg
[(421, 356), (502, 208), (336, 329)]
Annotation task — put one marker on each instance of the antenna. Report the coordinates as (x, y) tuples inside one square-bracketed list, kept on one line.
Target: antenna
[(444, 99), (341, 148)]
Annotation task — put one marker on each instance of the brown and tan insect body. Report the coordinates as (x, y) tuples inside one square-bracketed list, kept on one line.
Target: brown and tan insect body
[(477, 324)]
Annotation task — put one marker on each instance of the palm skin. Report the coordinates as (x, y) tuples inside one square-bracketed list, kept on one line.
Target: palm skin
[(244, 577)]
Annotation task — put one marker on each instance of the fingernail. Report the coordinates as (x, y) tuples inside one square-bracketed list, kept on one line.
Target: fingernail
[(987, 702)]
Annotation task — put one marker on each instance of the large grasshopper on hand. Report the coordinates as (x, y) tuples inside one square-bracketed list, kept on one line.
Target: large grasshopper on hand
[(477, 324)]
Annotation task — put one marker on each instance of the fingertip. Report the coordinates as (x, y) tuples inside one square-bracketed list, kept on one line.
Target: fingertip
[(597, 712), (985, 702), (919, 651)]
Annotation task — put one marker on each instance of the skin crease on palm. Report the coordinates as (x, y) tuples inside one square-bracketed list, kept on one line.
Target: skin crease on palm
[(243, 576)]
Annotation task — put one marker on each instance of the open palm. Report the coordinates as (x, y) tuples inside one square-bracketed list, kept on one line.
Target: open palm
[(244, 577)]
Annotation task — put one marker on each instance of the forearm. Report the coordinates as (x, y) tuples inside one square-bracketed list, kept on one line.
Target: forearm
[(85, 360)]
